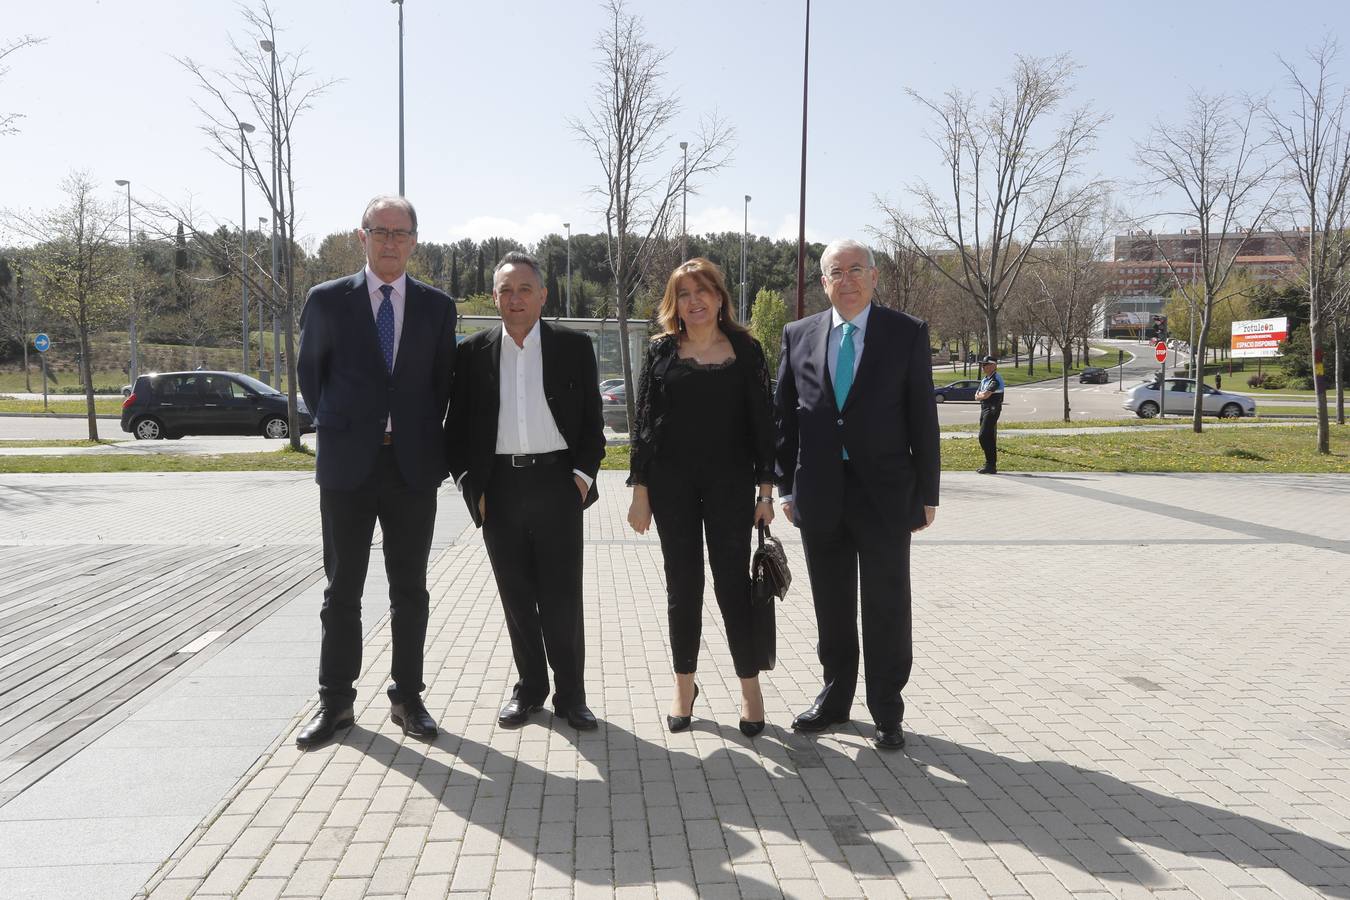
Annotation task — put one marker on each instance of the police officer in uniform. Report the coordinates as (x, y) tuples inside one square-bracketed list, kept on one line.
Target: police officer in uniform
[(990, 396)]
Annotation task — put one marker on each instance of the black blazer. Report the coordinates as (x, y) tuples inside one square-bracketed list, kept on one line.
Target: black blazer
[(571, 386), (889, 421), (653, 402), (349, 391)]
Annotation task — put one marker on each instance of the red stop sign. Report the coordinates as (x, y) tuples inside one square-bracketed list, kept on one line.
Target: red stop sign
[(1160, 352)]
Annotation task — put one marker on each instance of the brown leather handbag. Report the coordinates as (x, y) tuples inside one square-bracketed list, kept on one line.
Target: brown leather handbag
[(770, 579)]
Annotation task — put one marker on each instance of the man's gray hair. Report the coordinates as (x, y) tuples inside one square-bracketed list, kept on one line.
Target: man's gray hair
[(389, 201), (833, 248), (518, 258)]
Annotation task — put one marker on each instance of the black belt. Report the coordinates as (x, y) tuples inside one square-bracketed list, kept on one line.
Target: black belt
[(525, 460)]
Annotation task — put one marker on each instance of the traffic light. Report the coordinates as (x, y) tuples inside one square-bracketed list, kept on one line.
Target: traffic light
[(1158, 328)]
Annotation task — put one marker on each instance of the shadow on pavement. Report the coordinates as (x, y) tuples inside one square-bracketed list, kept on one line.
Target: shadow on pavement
[(1086, 820)]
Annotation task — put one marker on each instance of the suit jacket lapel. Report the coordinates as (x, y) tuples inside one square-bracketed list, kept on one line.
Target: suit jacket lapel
[(412, 325), (869, 361), (820, 354), (363, 319), (492, 378), (548, 352)]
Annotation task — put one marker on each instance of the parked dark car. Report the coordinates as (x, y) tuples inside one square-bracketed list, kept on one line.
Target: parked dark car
[(957, 390), (614, 407), (1094, 375), (172, 404)]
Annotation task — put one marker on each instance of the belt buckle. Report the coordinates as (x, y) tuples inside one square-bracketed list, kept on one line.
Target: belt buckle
[(528, 460)]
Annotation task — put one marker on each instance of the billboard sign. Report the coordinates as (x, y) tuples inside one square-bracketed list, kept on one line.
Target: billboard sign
[(1259, 337)]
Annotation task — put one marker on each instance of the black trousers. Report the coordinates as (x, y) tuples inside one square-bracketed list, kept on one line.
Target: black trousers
[(865, 543), (989, 413), (407, 517), (533, 535), (687, 505)]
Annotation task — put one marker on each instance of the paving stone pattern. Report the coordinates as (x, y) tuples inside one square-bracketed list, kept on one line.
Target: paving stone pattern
[(1124, 686)]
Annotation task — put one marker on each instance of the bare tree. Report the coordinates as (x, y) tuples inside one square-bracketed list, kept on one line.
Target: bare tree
[(272, 90), (1212, 165), (908, 282), (9, 122), (75, 264), (1071, 281), (627, 130), (1009, 182), (1315, 149)]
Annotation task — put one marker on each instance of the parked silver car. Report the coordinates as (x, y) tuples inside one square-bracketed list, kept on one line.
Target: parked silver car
[(1146, 401)]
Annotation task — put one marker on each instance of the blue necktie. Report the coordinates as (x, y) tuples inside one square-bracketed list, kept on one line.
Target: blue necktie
[(384, 327), (843, 368)]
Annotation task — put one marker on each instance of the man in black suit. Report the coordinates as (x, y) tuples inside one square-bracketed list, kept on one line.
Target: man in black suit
[(525, 441), (858, 471), (376, 358)]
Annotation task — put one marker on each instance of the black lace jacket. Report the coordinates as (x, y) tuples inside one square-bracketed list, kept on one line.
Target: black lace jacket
[(652, 403)]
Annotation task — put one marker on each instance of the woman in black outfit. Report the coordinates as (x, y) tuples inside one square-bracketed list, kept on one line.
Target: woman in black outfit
[(702, 441)]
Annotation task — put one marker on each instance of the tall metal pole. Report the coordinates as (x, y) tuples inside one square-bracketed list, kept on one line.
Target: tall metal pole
[(684, 212), (568, 311), (399, 3), (745, 230), (244, 333), (134, 369), (801, 223)]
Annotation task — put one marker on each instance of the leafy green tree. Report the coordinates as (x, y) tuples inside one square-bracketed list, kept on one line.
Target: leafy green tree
[(767, 318)]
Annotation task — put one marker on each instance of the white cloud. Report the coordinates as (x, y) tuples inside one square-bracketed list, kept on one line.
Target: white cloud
[(527, 231), (787, 230)]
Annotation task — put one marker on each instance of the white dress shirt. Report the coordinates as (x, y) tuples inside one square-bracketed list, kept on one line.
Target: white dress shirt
[(396, 298), (836, 337), (524, 422)]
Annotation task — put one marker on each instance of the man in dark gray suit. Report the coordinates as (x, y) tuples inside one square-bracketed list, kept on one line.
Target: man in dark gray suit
[(376, 360), (858, 469)]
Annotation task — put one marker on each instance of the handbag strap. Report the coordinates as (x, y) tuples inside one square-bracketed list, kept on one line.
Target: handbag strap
[(763, 533)]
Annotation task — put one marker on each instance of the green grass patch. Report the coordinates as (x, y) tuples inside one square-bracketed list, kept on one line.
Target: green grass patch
[(105, 406), (1291, 449), (616, 457), (24, 444), (284, 460)]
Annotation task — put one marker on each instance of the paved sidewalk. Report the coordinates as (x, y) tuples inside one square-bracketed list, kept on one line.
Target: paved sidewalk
[(1125, 686)]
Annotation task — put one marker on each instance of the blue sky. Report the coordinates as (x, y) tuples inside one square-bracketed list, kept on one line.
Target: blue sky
[(490, 87)]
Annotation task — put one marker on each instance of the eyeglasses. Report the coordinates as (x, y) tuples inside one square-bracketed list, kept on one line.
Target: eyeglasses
[(384, 235), (855, 272)]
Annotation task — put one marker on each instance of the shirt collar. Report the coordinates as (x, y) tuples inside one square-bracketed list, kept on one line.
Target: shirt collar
[(859, 321), (531, 339), (373, 282)]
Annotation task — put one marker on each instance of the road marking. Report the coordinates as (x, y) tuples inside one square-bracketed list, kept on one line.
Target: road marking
[(201, 642)]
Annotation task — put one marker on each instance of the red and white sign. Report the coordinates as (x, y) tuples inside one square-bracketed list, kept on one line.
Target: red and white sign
[(1160, 352), (1259, 337)]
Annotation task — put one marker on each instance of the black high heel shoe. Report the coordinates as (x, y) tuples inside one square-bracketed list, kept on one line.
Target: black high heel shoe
[(751, 729), (682, 723)]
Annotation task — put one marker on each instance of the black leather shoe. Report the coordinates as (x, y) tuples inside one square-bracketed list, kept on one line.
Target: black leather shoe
[(817, 719), (413, 717), (751, 729), (681, 723), (986, 470), (889, 738), (579, 717), (516, 712), (321, 728)]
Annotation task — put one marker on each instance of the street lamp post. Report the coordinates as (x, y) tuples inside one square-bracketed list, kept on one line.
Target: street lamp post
[(684, 202), (745, 231), (568, 310), (244, 128), (134, 369), (801, 215), (399, 4)]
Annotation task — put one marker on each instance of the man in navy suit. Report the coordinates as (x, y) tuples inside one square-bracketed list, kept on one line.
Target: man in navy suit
[(858, 469), (376, 360)]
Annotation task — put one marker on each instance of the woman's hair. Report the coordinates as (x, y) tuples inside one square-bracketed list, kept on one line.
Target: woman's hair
[(706, 273)]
